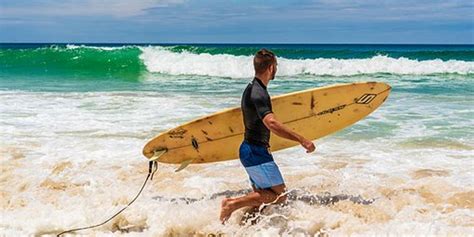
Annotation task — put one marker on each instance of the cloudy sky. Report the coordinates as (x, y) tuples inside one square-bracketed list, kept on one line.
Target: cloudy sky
[(237, 21)]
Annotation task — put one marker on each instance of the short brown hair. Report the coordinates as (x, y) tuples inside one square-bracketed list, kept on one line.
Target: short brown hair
[(263, 59)]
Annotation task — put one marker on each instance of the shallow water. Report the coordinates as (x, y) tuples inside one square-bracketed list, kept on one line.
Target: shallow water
[(70, 154)]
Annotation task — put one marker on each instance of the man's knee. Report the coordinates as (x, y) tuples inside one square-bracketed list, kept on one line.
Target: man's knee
[(279, 191), (281, 198)]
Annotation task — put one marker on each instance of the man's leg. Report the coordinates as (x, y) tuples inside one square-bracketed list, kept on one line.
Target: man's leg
[(253, 199), (251, 212), (263, 173)]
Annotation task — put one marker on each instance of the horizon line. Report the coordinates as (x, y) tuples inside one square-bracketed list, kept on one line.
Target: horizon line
[(240, 43)]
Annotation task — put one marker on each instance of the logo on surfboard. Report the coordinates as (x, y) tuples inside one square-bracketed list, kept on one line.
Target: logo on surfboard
[(366, 98)]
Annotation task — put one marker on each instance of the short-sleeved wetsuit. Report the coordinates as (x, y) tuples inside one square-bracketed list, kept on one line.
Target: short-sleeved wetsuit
[(254, 154), (256, 104)]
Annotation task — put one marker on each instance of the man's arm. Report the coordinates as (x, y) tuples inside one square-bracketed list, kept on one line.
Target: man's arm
[(282, 131)]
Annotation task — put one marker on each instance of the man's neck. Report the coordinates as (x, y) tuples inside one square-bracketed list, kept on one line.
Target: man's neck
[(264, 79)]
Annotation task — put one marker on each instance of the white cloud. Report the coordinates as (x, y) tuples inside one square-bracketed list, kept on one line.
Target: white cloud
[(386, 10), (116, 8)]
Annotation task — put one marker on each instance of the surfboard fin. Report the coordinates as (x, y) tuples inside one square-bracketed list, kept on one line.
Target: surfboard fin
[(184, 164), (157, 154)]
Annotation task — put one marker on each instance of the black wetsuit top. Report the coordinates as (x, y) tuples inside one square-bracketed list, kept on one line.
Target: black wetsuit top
[(256, 104)]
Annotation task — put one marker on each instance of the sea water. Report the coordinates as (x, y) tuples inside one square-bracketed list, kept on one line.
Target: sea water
[(74, 119)]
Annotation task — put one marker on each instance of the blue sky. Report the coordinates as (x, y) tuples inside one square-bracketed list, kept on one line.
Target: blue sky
[(232, 21)]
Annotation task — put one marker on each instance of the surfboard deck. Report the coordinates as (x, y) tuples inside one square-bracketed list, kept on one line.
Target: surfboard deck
[(313, 113)]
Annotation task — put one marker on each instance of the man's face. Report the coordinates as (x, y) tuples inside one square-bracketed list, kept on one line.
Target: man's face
[(274, 70)]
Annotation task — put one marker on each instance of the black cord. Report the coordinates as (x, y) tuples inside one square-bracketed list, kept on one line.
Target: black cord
[(150, 174)]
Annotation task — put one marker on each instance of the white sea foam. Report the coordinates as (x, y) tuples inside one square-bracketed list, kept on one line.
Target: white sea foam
[(162, 60), (73, 159), (105, 48)]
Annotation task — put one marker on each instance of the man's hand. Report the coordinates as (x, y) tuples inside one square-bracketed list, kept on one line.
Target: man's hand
[(282, 131), (308, 145)]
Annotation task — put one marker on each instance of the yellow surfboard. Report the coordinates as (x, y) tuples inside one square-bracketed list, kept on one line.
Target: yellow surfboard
[(313, 113)]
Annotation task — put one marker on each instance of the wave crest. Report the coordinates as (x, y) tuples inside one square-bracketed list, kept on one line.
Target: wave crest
[(133, 62), (162, 60)]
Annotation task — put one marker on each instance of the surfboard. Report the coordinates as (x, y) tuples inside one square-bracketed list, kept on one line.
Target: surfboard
[(313, 113)]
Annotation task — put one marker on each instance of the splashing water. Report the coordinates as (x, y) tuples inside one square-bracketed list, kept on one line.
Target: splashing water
[(72, 134)]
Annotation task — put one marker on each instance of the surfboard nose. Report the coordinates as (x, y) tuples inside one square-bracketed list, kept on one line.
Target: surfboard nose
[(388, 87), (380, 86)]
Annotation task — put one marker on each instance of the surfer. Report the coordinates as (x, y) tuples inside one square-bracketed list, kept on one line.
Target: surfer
[(265, 177)]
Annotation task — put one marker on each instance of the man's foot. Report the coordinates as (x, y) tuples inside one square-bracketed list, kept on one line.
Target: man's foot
[(226, 209)]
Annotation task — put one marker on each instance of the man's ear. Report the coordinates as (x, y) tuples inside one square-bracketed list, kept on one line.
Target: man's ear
[(271, 68)]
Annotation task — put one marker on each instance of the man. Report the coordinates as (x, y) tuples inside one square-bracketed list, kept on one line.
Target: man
[(267, 183)]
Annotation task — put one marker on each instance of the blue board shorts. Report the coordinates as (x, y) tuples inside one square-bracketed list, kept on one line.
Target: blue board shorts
[(260, 166)]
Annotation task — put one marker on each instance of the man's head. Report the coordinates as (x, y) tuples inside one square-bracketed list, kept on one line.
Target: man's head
[(265, 63)]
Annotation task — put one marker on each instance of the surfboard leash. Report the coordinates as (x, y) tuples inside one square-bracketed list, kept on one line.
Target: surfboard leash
[(152, 168)]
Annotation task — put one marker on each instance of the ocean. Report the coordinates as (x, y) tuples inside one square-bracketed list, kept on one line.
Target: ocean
[(75, 117)]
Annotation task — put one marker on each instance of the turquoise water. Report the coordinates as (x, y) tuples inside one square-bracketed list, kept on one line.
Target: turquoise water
[(91, 108), (442, 74)]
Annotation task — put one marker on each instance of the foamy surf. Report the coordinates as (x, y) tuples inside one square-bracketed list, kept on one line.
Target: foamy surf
[(162, 60), (67, 162)]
